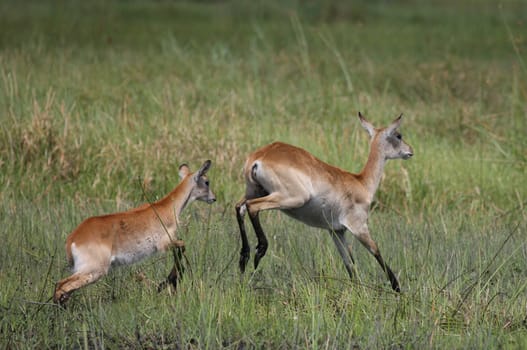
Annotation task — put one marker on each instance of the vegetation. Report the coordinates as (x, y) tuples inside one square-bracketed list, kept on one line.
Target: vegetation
[(103, 99)]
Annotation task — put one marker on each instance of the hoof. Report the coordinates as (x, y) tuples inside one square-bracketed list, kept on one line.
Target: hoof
[(61, 298), (244, 259)]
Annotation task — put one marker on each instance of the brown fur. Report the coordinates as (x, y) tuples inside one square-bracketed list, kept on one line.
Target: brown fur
[(288, 178), (126, 237)]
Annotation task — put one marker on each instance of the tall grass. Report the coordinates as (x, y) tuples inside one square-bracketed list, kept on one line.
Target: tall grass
[(100, 100)]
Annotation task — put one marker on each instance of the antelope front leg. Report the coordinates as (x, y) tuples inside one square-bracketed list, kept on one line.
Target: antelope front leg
[(178, 248), (344, 249), (360, 230), (366, 240)]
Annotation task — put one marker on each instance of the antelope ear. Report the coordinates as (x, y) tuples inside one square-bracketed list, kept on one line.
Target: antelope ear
[(367, 125), (203, 170), (184, 170), (395, 124)]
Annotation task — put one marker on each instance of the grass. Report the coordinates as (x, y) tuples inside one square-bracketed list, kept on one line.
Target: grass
[(99, 100)]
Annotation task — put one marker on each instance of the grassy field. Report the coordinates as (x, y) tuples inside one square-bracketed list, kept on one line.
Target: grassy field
[(101, 99)]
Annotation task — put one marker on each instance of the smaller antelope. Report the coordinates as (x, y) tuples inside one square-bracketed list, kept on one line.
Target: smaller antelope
[(288, 178), (102, 242)]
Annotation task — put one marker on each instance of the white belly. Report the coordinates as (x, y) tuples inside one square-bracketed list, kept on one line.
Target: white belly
[(318, 213), (134, 251)]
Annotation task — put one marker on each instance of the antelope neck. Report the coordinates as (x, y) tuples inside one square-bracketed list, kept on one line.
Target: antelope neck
[(371, 174), (177, 200)]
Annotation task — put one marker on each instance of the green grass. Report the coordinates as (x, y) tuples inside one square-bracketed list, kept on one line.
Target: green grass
[(99, 100)]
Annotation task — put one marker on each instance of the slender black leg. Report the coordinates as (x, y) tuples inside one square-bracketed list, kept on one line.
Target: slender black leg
[(177, 270), (261, 248), (342, 246), (391, 276), (245, 252)]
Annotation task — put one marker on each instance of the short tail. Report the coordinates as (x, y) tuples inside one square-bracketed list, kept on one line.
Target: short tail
[(259, 189), (69, 255), (253, 171)]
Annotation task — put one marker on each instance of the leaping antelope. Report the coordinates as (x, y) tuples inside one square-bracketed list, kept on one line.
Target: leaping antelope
[(288, 178), (102, 242)]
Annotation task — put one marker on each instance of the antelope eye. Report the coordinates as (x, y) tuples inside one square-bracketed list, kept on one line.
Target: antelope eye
[(399, 136), (207, 183)]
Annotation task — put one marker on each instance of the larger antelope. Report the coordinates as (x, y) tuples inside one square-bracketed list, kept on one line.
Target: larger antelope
[(101, 242), (288, 178)]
